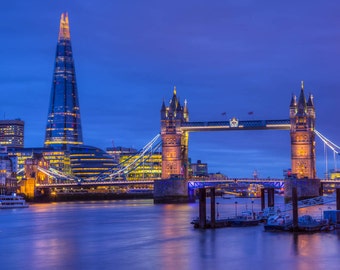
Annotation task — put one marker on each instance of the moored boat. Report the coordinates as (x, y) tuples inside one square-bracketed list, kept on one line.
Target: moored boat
[(307, 223), (247, 218), (12, 201), (279, 222)]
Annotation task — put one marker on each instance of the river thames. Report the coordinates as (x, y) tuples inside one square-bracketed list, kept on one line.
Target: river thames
[(136, 234)]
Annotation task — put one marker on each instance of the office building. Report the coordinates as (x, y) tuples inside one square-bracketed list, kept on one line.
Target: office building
[(89, 162), (117, 152), (149, 167), (12, 133), (199, 169)]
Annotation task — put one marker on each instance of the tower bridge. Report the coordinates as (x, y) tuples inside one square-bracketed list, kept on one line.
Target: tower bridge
[(175, 129)]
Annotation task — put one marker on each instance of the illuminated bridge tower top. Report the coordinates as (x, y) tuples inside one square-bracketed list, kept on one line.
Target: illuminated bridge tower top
[(174, 139), (63, 122), (302, 118)]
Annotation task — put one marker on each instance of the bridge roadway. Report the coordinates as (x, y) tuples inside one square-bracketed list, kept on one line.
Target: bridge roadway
[(192, 184)]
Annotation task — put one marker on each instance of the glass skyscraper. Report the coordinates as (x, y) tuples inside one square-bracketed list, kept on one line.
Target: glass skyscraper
[(64, 141), (63, 123)]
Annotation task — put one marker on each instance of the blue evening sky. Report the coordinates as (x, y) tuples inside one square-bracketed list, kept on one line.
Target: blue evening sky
[(223, 56)]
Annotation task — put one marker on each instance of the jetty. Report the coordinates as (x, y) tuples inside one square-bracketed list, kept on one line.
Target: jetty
[(281, 221), (246, 219), (276, 221)]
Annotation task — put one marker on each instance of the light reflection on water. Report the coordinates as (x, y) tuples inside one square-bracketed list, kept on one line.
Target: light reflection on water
[(137, 234)]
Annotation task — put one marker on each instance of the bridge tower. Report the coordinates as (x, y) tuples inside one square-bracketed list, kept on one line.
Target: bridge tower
[(302, 119), (173, 187), (302, 125), (174, 140)]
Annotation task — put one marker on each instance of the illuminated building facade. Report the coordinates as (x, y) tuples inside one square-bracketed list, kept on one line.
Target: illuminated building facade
[(335, 174), (117, 152), (150, 168), (302, 119), (82, 161), (12, 133), (89, 162), (63, 121), (58, 159), (33, 175)]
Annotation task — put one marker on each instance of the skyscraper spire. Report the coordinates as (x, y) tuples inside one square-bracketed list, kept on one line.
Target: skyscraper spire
[(63, 122), (64, 29)]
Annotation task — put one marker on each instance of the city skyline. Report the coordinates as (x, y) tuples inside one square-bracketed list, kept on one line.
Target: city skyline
[(242, 60)]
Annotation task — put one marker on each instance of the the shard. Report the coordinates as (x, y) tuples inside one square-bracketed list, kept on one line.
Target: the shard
[(63, 123)]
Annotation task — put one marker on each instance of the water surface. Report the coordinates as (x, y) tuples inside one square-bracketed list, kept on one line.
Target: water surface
[(136, 234)]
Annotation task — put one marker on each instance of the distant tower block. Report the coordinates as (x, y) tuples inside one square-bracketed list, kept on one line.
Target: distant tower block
[(63, 123), (302, 117), (12, 133), (174, 140)]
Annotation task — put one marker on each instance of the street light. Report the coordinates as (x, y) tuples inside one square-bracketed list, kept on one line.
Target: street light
[(252, 205)]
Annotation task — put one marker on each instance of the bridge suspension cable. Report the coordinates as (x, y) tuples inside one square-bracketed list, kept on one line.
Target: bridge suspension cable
[(53, 173), (328, 142), (141, 151), (132, 162), (118, 170), (137, 162), (335, 148)]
